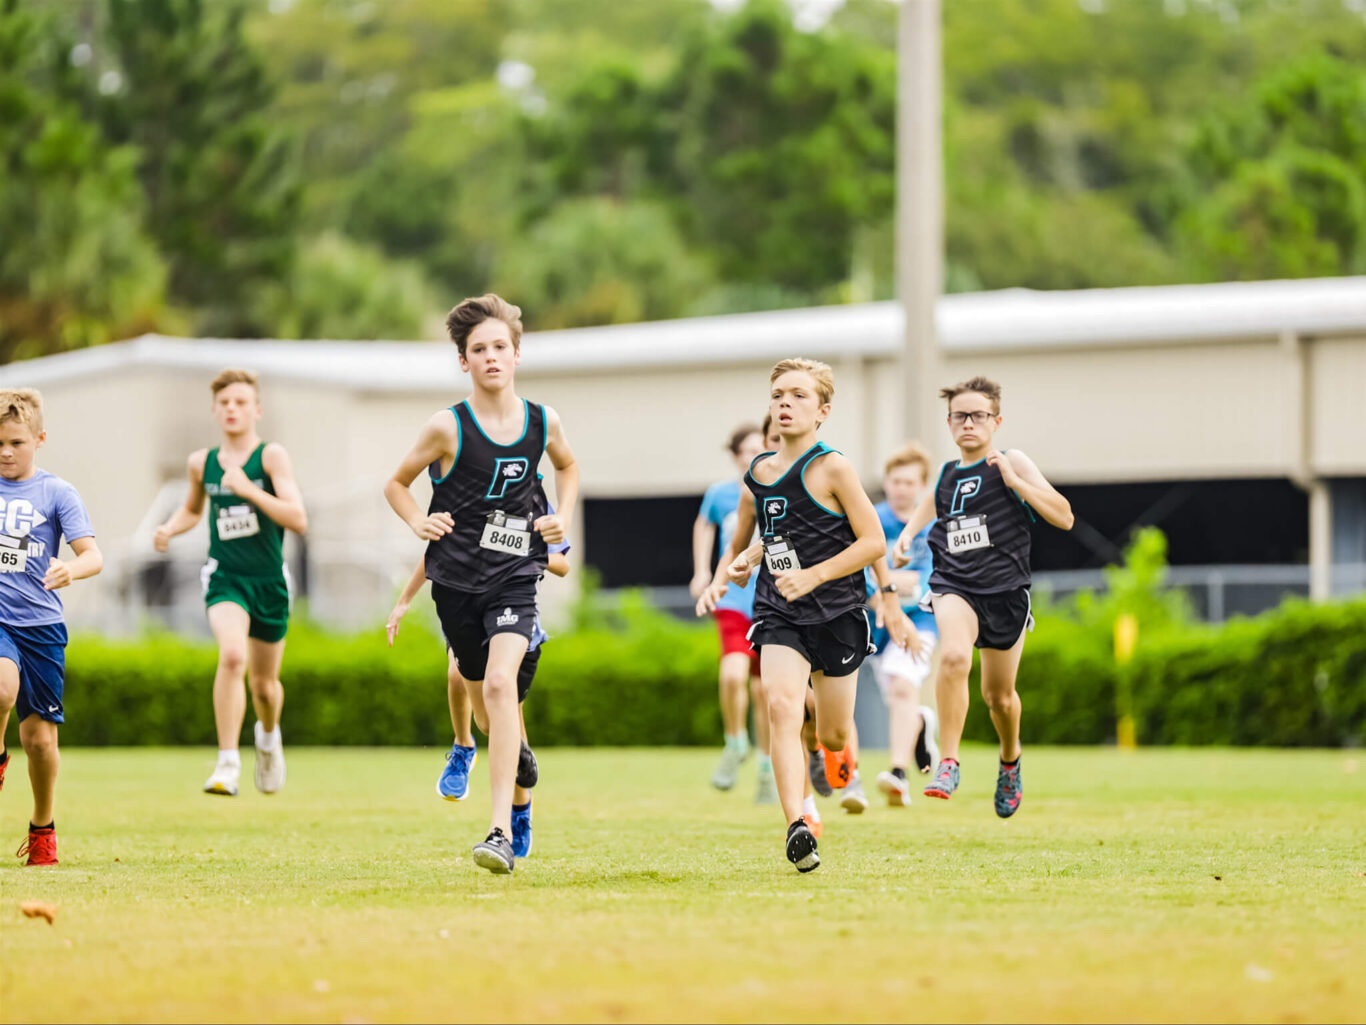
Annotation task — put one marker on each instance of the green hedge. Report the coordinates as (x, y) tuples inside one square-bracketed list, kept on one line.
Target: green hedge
[(631, 675)]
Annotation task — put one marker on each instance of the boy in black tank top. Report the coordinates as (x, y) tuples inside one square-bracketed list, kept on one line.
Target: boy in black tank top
[(487, 529), (981, 507), (819, 531)]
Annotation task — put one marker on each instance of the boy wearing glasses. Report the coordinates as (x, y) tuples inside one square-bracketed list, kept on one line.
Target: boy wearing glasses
[(981, 508)]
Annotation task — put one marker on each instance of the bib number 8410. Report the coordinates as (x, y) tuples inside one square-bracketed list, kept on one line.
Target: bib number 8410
[(968, 534)]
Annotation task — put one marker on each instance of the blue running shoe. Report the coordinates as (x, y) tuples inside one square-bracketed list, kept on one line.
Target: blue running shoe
[(521, 830), (945, 781), (1008, 791), (454, 784)]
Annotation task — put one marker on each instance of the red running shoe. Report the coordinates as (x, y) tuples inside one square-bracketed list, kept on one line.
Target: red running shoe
[(41, 846), (4, 764)]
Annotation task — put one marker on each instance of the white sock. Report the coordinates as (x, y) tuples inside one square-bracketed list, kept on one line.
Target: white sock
[(230, 758), (267, 740), (809, 807)]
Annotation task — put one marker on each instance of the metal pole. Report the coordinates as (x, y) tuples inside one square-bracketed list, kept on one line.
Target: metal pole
[(920, 213)]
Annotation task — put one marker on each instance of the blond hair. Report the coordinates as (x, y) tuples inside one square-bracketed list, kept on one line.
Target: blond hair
[(910, 454), (231, 376), (469, 314), (22, 405), (819, 372), (981, 385)]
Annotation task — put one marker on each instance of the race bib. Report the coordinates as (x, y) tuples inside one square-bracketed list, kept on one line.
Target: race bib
[(237, 521), (967, 534), (13, 554), (504, 533), (780, 556)]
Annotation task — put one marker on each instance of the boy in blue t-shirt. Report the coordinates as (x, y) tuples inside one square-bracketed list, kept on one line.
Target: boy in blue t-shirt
[(734, 613), (37, 510), (900, 674)]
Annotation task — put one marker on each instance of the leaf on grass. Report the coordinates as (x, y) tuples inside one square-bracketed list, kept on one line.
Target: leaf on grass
[(37, 909)]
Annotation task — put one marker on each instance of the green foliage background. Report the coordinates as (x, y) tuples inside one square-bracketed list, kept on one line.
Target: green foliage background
[(347, 168)]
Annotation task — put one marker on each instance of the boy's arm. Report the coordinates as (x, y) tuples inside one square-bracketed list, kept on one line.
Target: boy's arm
[(869, 545), (437, 439), (187, 515), (1021, 475), (87, 563), (557, 563), (728, 567), (286, 506), (703, 537), (405, 599), (920, 519), (554, 528)]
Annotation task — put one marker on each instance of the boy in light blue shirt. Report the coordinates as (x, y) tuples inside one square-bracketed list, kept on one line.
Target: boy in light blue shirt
[(37, 510)]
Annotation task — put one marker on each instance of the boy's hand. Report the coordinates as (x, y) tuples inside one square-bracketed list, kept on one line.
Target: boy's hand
[(901, 551), (738, 572), (698, 584), (395, 617), (58, 575), (161, 540), (551, 529), (711, 594), (435, 526), (235, 480), (795, 583), (1009, 477), (902, 630)]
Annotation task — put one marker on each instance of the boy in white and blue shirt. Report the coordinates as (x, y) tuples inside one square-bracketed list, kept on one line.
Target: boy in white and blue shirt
[(37, 510)]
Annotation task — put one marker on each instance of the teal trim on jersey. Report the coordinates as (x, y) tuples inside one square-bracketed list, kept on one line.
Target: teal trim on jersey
[(940, 479), (1027, 507), (459, 441), (829, 512), (526, 424), (819, 444), (545, 433), (959, 464)]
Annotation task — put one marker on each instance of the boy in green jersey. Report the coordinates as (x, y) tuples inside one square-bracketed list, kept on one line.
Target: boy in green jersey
[(252, 499)]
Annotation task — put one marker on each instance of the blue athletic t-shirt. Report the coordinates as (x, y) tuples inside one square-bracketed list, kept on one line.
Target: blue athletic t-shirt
[(35, 515), (720, 506), (921, 562)]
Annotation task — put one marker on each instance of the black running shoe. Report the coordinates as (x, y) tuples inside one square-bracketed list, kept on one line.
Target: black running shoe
[(815, 770), (801, 847), (527, 770), (495, 853)]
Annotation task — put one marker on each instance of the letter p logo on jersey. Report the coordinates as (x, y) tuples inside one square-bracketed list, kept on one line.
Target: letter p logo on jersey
[(505, 472), (967, 487)]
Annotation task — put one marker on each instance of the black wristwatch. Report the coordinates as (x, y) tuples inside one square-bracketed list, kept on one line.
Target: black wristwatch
[(889, 589)]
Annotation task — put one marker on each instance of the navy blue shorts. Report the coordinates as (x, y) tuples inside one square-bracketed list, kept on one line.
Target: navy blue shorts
[(40, 653)]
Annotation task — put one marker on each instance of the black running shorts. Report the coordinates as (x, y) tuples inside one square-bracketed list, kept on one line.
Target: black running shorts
[(469, 619), (1002, 619), (836, 648)]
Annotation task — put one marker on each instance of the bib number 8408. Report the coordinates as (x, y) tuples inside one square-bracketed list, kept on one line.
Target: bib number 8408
[(503, 533)]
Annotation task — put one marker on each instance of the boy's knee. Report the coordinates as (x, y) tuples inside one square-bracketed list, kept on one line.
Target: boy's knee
[(999, 701), (39, 743), (232, 658), (264, 687), (956, 661), (500, 685), (785, 709)]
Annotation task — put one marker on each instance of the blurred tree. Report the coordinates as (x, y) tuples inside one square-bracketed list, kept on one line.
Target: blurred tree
[(222, 196), (75, 267)]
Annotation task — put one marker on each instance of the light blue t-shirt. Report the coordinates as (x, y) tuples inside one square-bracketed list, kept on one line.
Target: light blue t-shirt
[(35, 515), (719, 506), (538, 635), (922, 562)]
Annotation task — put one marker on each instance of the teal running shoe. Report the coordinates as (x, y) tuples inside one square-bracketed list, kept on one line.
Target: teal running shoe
[(945, 781), (454, 784), (1008, 791)]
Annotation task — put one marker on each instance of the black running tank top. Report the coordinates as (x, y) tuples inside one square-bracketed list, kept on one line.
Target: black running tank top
[(786, 511), (494, 494), (981, 534)]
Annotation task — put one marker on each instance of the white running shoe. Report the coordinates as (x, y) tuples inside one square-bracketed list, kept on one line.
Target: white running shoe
[(852, 798), (929, 741), (224, 780), (897, 788), (270, 765)]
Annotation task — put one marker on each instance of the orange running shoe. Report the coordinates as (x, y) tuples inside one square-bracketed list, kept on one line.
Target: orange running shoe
[(839, 767), (41, 847), (4, 764), (814, 824)]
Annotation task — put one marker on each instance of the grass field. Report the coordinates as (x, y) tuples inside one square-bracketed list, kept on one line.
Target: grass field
[(1168, 885)]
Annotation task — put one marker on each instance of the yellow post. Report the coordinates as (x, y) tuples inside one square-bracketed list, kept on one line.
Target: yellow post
[(1126, 640)]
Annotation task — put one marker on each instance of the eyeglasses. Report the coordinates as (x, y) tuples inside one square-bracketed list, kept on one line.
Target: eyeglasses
[(978, 416)]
